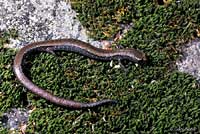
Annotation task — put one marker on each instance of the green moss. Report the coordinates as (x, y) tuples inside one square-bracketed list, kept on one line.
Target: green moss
[(152, 98), (9, 93)]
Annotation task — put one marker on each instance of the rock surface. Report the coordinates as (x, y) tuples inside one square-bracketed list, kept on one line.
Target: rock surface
[(190, 61), (38, 20), (15, 118)]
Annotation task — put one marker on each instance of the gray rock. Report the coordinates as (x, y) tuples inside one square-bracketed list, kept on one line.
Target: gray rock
[(14, 118), (190, 60), (38, 20)]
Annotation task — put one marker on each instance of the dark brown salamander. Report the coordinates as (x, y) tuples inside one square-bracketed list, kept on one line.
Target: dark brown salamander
[(76, 46)]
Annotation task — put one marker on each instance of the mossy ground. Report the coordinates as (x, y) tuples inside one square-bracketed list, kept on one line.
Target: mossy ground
[(152, 98)]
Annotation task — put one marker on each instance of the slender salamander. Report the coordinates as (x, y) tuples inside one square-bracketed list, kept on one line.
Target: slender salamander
[(76, 46)]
